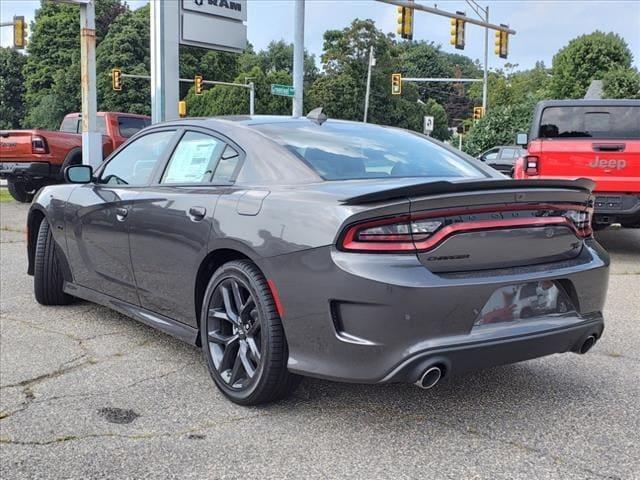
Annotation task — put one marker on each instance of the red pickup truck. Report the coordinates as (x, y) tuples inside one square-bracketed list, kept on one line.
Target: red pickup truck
[(30, 159), (596, 139)]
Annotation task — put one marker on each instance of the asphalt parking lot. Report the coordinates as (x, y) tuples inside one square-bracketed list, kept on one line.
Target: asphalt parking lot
[(87, 393)]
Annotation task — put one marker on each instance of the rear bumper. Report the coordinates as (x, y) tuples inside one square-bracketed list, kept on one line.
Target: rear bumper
[(471, 356), (380, 318), (615, 208), (11, 169)]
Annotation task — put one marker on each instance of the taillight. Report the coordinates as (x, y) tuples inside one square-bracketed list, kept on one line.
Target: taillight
[(424, 231), (38, 144), (581, 220), (531, 165), (392, 234)]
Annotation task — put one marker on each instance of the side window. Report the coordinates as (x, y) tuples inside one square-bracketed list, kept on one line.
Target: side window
[(135, 163), (491, 154), (227, 165), (509, 153), (193, 160), (129, 126)]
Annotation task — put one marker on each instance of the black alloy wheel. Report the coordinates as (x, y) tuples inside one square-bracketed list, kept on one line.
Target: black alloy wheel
[(242, 337)]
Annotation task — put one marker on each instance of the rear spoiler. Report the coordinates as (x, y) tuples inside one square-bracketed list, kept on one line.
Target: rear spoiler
[(440, 187)]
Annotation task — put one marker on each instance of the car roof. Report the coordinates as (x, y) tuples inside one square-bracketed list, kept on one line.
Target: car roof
[(588, 103)]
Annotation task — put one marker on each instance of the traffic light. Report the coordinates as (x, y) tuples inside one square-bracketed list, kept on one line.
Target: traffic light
[(405, 22), (116, 79), (457, 32), (182, 108), (198, 84), (19, 32), (502, 43), (478, 113), (396, 84)]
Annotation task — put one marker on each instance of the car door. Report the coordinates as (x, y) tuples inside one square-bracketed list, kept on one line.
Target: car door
[(172, 220), (98, 217)]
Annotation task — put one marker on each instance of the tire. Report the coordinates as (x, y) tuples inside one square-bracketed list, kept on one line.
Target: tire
[(20, 191), (252, 342), (47, 276)]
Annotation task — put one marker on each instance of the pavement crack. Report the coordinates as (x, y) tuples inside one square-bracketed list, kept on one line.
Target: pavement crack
[(136, 436)]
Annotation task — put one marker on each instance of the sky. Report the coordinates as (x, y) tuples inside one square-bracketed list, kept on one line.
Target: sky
[(542, 26)]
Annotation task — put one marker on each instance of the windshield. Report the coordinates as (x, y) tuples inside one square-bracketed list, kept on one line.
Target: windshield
[(615, 122), (343, 151)]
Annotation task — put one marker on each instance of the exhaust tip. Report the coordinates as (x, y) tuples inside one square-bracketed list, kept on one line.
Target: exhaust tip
[(587, 344), (430, 378)]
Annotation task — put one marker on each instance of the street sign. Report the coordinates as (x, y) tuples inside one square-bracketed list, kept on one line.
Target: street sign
[(216, 25), (428, 124), (282, 90)]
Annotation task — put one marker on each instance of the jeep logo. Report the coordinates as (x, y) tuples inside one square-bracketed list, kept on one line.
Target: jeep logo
[(610, 164)]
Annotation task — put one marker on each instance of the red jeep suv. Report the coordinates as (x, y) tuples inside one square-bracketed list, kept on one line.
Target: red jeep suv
[(596, 139)]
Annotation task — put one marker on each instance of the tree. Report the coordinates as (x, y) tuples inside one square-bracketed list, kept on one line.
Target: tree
[(126, 46), (621, 83), (337, 94), (52, 70), (226, 100), (11, 88), (346, 56), (498, 127), (586, 58), (508, 86), (278, 57)]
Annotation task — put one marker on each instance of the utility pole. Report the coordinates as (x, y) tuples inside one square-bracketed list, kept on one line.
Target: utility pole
[(252, 98), (298, 58), (91, 138), (483, 13), (372, 63), (485, 76), (165, 25)]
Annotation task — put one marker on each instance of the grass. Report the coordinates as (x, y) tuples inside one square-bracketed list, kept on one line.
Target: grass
[(4, 196)]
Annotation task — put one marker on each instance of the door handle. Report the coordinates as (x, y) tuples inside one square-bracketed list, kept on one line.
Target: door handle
[(608, 147), (121, 214), (197, 213)]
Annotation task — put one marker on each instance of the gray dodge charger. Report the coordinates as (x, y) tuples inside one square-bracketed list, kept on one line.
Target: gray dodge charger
[(313, 247)]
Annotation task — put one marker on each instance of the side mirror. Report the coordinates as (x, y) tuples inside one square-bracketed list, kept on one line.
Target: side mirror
[(522, 139), (78, 174)]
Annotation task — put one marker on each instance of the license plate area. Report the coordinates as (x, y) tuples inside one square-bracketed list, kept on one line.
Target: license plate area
[(525, 301)]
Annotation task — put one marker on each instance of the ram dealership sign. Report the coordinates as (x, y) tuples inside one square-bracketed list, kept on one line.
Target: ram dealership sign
[(214, 24)]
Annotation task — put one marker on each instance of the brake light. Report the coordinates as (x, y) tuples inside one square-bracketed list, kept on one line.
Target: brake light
[(531, 165), (581, 220), (423, 232), (38, 144)]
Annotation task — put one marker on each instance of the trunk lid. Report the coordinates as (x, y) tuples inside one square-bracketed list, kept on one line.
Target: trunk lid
[(476, 224), (15, 144), (500, 228), (613, 164)]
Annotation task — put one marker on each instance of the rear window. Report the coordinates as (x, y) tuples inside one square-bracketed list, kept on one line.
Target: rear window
[(129, 126), (70, 125), (591, 122), (343, 151)]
